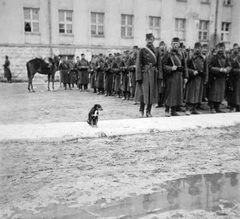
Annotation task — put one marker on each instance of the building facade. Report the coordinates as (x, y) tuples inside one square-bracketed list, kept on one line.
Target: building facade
[(41, 28)]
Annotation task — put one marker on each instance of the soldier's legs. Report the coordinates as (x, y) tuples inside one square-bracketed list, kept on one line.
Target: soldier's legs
[(141, 110), (148, 111), (174, 111), (212, 109), (65, 86), (167, 111)]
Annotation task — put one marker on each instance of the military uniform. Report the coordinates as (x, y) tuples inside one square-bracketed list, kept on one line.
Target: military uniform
[(217, 80), (195, 86), (148, 72), (174, 79), (233, 89), (83, 75), (65, 71)]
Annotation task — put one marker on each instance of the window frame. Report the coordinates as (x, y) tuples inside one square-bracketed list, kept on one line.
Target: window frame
[(153, 28), (206, 2), (31, 20), (224, 32), (126, 26), (202, 31), (227, 3), (65, 22), (177, 30), (97, 25)]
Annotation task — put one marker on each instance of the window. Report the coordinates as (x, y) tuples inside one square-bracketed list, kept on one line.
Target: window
[(180, 28), (65, 22), (127, 25), (31, 20), (154, 26), (227, 2), (97, 24), (203, 30), (225, 32)]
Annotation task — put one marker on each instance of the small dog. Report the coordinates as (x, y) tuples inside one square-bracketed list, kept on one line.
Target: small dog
[(93, 115)]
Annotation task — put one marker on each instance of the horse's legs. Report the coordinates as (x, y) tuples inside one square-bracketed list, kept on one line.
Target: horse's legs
[(53, 81), (48, 82), (30, 79), (29, 85)]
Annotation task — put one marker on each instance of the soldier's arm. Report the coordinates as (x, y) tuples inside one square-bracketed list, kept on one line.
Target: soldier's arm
[(185, 71), (139, 65), (167, 69), (159, 66), (212, 66), (206, 70), (190, 69)]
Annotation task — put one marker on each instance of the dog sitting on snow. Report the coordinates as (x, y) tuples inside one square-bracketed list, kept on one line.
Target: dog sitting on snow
[(93, 115)]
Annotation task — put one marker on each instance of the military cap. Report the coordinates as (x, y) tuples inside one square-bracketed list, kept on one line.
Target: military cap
[(197, 45), (205, 45), (235, 45), (176, 39), (149, 36), (135, 47), (222, 44), (162, 43), (82, 54)]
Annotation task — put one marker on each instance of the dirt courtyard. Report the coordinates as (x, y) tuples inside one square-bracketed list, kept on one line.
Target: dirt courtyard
[(192, 174)]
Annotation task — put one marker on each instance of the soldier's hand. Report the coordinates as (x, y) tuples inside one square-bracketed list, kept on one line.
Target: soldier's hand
[(195, 72), (221, 69), (174, 68), (185, 80)]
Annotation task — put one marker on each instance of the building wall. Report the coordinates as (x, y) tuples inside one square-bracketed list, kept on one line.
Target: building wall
[(21, 46)]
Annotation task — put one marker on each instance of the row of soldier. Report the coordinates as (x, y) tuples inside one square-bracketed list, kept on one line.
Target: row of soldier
[(164, 77)]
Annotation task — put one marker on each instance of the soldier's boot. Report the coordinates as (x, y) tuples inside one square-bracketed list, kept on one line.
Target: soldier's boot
[(212, 110), (238, 108), (194, 110), (167, 113), (231, 108), (174, 111), (217, 108), (148, 113), (188, 108)]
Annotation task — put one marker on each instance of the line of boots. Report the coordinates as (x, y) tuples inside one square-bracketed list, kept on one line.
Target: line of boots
[(173, 111)]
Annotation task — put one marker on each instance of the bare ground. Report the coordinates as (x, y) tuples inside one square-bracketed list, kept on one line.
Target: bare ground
[(34, 175)]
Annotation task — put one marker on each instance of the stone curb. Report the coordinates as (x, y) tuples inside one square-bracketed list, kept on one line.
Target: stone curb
[(109, 128)]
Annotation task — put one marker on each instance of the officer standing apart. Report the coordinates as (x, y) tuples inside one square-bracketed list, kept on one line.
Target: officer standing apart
[(148, 74)]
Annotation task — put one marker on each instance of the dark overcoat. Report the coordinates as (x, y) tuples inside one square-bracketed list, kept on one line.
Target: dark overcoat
[(132, 74), (99, 77), (124, 76), (108, 77), (116, 77), (83, 75), (65, 71), (174, 79), (148, 69), (194, 87), (233, 94), (7, 71), (217, 79)]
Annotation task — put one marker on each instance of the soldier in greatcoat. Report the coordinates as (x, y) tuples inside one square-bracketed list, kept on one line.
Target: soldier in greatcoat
[(132, 71), (175, 76), (162, 87), (117, 75), (125, 86), (64, 69), (148, 73), (99, 76), (7, 71), (93, 74), (108, 75), (83, 75), (198, 76), (233, 85), (219, 68)]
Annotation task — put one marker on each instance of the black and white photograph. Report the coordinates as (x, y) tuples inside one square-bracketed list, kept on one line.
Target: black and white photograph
[(120, 109)]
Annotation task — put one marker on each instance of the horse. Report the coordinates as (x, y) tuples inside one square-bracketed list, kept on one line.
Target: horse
[(47, 66)]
